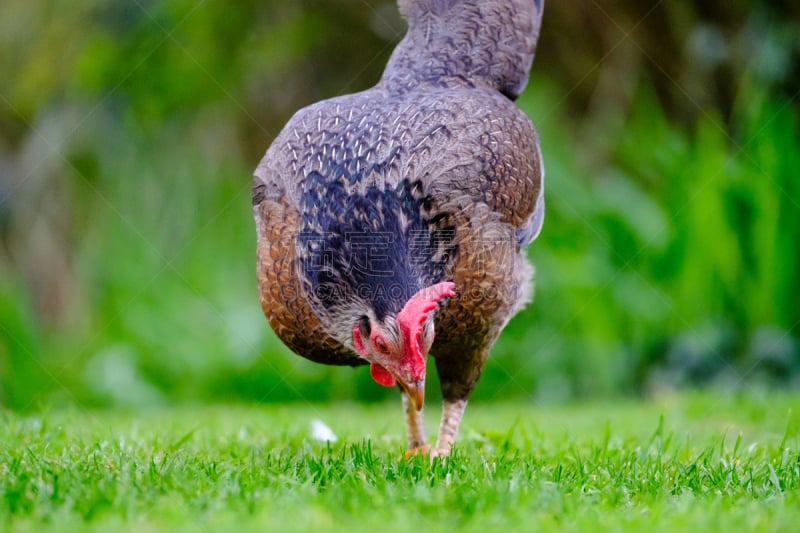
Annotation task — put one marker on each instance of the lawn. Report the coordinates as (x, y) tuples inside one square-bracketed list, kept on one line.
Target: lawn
[(693, 462)]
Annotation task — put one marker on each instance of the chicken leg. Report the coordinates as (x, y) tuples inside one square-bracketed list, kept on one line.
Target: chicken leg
[(415, 428), (452, 412)]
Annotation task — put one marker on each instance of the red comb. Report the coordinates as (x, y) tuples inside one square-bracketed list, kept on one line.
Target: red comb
[(415, 313)]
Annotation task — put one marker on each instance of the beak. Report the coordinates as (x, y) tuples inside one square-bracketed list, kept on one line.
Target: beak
[(415, 391)]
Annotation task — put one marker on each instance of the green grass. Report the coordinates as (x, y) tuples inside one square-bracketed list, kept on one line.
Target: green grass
[(678, 463)]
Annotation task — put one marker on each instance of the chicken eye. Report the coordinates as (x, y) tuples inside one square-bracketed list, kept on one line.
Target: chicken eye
[(380, 345)]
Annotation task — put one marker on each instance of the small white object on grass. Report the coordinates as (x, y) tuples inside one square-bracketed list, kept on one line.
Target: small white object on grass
[(321, 431)]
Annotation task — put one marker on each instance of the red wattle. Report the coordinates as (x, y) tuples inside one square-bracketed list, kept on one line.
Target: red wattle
[(381, 375)]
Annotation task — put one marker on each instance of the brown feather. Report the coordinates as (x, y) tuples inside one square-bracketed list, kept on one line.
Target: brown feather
[(282, 298)]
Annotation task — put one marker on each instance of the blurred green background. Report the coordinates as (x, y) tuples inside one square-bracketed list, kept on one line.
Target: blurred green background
[(129, 131)]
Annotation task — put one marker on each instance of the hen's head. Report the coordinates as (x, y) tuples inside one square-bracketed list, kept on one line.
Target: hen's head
[(397, 346)]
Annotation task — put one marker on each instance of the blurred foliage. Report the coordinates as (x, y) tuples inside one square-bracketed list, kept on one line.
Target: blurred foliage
[(129, 131)]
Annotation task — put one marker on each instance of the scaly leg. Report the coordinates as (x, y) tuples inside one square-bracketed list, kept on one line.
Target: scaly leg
[(415, 426), (452, 411)]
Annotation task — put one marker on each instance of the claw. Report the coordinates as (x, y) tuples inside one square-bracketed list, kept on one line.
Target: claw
[(440, 452), (425, 449)]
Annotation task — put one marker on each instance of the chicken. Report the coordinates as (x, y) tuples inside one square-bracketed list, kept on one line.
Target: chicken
[(392, 222)]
